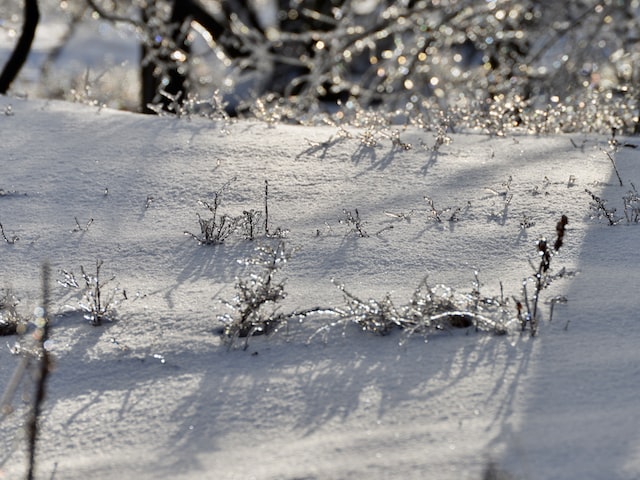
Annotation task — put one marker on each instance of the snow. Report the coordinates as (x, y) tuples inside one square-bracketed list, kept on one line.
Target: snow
[(156, 393)]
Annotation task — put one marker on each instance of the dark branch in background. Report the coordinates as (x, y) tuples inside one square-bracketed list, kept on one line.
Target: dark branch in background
[(112, 17), (23, 47), (172, 81), (164, 79)]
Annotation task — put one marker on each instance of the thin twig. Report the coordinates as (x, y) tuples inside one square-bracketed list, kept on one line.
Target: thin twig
[(42, 335)]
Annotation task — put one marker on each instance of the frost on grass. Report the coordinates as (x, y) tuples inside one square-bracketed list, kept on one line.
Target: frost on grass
[(430, 309)]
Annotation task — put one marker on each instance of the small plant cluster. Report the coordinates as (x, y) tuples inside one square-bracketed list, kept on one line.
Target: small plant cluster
[(631, 203), (213, 108), (430, 309), (253, 308), (217, 227), (448, 214), (354, 222), (97, 303), (542, 278)]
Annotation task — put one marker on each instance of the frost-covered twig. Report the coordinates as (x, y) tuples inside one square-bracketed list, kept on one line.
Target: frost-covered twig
[(599, 206), (11, 240), (356, 223)]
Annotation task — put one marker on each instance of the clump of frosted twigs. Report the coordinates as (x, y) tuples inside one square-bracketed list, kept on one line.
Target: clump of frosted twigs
[(217, 228), (599, 206), (254, 307), (528, 307), (449, 214), (96, 302), (355, 223), (430, 309), (10, 319)]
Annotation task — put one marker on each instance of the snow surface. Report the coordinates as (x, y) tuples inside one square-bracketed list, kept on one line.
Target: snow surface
[(156, 394)]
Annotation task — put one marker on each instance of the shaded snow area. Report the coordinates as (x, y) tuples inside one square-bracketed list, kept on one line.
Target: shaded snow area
[(158, 393)]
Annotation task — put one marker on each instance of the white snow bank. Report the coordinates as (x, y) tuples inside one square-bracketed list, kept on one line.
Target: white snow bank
[(156, 395)]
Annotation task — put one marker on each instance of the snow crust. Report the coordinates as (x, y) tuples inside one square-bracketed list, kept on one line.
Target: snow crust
[(155, 394)]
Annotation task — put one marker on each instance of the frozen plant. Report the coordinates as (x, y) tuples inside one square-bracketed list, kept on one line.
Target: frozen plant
[(253, 309), (430, 309), (81, 228), (379, 317), (96, 302), (249, 223), (253, 306), (449, 214), (278, 232), (598, 205), (217, 228), (439, 308), (397, 143), (528, 308)]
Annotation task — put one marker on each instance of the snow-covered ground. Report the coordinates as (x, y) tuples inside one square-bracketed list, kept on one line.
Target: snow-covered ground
[(156, 394)]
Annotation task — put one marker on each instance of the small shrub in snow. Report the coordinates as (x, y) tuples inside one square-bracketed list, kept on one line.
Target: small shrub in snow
[(96, 301), (631, 203), (217, 228), (254, 307)]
